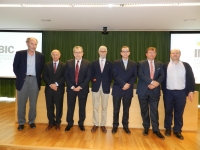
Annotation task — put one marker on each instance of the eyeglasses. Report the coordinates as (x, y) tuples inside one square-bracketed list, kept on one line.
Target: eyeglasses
[(103, 51), (125, 51), (78, 52)]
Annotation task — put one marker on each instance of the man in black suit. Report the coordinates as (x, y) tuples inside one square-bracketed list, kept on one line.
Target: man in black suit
[(78, 75), (150, 75), (178, 84), (54, 77), (125, 75), (101, 80), (27, 66)]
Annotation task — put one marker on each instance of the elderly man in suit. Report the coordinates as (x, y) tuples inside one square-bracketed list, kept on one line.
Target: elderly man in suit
[(125, 74), (54, 77), (78, 75), (101, 80), (178, 84), (28, 66), (150, 75)]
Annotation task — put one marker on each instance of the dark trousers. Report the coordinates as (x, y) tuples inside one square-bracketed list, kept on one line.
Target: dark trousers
[(54, 99), (174, 101), (149, 110), (126, 102), (71, 102)]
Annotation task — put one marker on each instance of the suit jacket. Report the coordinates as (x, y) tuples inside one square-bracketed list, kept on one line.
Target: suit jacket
[(99, 77), (20, 67), (144, 77), (123, 76), (84, 76), (50, 78), (189, 77)]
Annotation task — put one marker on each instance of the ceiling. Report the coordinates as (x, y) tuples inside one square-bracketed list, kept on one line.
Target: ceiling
[(168, 18)]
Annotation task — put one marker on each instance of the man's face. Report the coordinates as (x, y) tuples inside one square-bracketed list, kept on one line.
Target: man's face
[(55, 55), (102, 53), (78, 53), (175, 55), (151, 54), (32, 45), (125, 53)]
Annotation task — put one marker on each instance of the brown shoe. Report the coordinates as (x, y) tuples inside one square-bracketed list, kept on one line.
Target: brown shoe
[(57, 127), (94, 128), (49, 127), (103, 129)]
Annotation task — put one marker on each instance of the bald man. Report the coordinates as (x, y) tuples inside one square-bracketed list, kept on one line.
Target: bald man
[(28, 66), (179, 83), (54, 77)]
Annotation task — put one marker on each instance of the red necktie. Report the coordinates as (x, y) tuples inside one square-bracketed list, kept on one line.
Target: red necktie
[(54, 67), (76, 72), (151, 70)]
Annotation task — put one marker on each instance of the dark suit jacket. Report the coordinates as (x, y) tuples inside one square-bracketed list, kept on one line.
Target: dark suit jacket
[(99, 77), (190, 80), (50, 78), (20, 67), (123, 76), (144, 77), (83, 77)]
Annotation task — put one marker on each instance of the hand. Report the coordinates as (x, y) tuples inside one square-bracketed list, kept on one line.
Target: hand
[(155, 83), (191, 96), (77, 88), (126, 86), (54, 87), (151, 86)]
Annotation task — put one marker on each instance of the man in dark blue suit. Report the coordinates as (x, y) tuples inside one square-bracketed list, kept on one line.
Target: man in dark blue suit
[(54, 77), (178, 84), (28, 66), (101, 80), (125, 74), (150, 75), (78, 75)]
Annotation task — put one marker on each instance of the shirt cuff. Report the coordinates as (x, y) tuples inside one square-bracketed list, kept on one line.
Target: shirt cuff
[(56, 84)]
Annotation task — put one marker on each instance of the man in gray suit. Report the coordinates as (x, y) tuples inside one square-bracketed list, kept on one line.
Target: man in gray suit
[(150, 74)]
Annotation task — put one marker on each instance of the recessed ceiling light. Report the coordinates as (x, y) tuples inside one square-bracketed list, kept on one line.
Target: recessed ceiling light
[(190, 20), (46, 20)]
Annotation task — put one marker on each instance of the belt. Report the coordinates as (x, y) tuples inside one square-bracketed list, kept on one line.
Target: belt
[(30, 75)]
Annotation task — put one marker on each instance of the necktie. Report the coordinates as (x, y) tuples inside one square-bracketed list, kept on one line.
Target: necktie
[(151, 70), (125, 64), (76, 72), (54, 67), (102, 65)]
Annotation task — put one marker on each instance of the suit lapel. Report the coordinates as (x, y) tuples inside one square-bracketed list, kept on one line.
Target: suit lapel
[(148, 69), (122, 64)]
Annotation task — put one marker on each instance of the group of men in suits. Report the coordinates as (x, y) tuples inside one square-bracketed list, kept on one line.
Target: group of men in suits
[(176, 77)]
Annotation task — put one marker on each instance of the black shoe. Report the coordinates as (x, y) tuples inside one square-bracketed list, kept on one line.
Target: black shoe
[(82, 128), (145, 131), (114, 130), (126, 129), (159, 134), (168, 132), (179, 135), (32, 125), (20, 127), (68, 128)]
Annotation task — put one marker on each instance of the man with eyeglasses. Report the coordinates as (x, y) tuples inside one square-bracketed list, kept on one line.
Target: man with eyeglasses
[(78, 75), (150, 75), (101, 80), (125, 75)]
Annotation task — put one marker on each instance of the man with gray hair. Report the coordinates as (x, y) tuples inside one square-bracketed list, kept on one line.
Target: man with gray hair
[(101, 80), (178, 84), (54, 77), (27, 66)]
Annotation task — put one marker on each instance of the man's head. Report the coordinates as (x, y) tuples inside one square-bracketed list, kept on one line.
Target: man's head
[(151, 53), (78, 52), (31, 44), (175, 54), (55, 54), (125, 52), (102, 51)]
